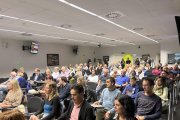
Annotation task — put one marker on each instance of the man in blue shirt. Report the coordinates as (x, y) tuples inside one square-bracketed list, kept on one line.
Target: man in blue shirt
[(122, 80), (131, 89)]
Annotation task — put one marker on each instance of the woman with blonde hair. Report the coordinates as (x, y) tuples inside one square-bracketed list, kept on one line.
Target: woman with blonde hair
[(14, 96), (12, 115), (51, 108)]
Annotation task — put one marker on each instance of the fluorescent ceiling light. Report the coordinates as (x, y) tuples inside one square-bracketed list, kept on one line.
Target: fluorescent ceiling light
[(93, 14), (30, 21)]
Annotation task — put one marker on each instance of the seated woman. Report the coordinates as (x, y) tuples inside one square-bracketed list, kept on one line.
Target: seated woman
[(161, 90), (12, 115), (14, 96), (124, 107), (51, 108)]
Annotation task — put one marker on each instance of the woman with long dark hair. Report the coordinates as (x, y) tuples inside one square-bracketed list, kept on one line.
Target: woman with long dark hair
[(124, 107)]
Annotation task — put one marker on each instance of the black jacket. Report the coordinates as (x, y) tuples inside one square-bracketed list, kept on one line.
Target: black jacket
[(86, 112), (40, 77)]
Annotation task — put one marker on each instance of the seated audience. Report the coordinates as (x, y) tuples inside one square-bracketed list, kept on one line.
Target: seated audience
[(124, 107), (13, 76), (122, 80), (107, 98), (93, 77), (12, 115), (156, 70), (14, 96), (22, 81), (56, 73), (64, 88), (51, 108), (37, 76), (25, 76), (102, 79), (78, 109), (131, 89), (148, 105), (161, 90)]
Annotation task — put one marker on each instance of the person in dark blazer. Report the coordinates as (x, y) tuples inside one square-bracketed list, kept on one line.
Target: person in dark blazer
[(37, 76), (79, 108)]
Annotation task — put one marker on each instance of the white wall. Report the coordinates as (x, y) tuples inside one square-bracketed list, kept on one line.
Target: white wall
[(12, 56), (171, 46), (116, 52)]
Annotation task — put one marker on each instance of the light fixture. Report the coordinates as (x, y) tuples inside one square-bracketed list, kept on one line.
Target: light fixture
[(66, 26), (26, 34), (99, 34), (150, 35), (102, 18), (115, 14), (138, 29)]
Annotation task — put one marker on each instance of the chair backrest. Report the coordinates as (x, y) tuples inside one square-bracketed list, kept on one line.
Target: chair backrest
[(34, 104), (91, 85)]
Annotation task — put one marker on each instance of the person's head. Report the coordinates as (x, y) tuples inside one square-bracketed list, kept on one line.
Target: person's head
[(123, 72), (12, 115), (50, 90), (13, 85), (63, 69), (56, 69), (20, 74), (77, 94), (62, 80), (93, 72), (124, 106), (110, 82), (105, 71), (148, 85), (48, 72), (164, 73), (13, 74), (160, 81), (15, 70), (133, 81), (21, 69), (80, 81), (37, 70)]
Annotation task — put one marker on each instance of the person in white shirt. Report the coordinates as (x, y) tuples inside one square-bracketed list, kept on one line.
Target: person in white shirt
[(93, 77), (56, 73)]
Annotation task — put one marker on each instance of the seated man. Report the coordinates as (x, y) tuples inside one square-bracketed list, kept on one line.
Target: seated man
[(64, 88), (107, 98), (131, 89), (37, 76), (13, 76), (78, 109), (122, 80), (148, 105), (102, 80)]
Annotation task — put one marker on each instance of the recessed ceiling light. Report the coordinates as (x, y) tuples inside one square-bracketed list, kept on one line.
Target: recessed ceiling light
[(99, 34), (150, 35), (66, 26), (26, 34), (114, 14), (64, 39), (159, 39), (138, 29)]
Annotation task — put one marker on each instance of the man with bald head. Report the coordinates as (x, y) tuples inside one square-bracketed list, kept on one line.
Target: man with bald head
[(102, 79), (13, 76)]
